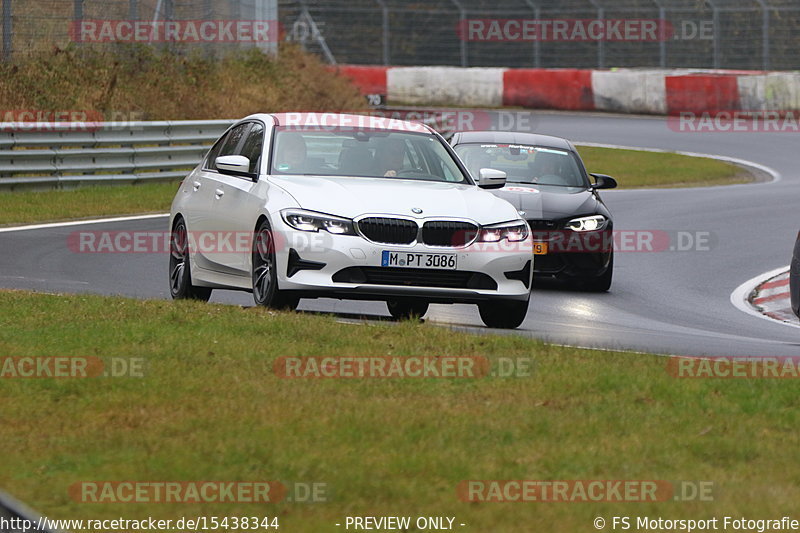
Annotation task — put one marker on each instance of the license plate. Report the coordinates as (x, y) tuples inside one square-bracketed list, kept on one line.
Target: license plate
[(419, 260), (540, 248)]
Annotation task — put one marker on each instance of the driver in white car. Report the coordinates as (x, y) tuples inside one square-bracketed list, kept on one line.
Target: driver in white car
[(390, 157)]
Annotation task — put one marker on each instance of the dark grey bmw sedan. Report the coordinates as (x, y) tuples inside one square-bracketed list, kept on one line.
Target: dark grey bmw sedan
[(547, 182)]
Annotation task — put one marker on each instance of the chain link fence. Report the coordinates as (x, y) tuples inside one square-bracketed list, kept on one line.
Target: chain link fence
[(32, 27), (730, 34)]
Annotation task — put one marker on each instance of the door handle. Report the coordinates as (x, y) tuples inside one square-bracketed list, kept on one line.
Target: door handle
[(218, 193), (195, 185)]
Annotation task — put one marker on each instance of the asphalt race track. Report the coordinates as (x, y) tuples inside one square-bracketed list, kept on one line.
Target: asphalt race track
[(672, 302)]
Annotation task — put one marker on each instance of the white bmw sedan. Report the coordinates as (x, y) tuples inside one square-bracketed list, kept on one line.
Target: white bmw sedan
[(306, 205)]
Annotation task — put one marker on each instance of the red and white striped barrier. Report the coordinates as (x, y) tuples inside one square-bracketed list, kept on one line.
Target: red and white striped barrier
[(647, 91)]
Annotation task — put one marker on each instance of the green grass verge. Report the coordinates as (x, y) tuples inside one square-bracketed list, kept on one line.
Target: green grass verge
[(631, 168), (634, 169), (24, 207), (210, 408)]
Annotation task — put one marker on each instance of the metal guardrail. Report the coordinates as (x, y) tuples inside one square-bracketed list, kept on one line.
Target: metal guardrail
[(69, 154), (61, 155), (15, 515)]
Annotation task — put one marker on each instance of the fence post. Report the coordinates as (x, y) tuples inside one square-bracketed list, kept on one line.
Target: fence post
[(715, 22), (764, 35), (267, 10), (601, 47), (384, 30), (462, 17), (662, 37), (77, 17), (7, 31), (537, 51)]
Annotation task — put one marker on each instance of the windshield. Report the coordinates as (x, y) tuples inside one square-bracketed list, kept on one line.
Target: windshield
[(364, 153), (524, 163)]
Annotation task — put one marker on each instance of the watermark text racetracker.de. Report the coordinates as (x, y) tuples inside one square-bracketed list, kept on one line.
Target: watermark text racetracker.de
[(68, 120), (735, 121), (583, 490), (241, 242), (202, 492), (732, 367), (582, 30), (183, 31), (71, 367), (401, 367)]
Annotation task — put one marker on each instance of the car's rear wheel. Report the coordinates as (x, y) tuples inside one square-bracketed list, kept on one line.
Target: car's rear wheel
[(265, 272), (505, 314), (402, 309), (180, 274)]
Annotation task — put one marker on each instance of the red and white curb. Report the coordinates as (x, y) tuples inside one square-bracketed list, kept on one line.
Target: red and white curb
[(767, 296)]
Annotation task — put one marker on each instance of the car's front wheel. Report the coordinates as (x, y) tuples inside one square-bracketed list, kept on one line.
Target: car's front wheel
[(180, 275), (265, 272), (505, 314), (402, 309)]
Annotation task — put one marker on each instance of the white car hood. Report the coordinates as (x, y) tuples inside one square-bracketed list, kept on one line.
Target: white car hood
[(351, 197)]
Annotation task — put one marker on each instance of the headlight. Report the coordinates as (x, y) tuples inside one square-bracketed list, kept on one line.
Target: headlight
[(303, 220), (592, 223), (513, 231)]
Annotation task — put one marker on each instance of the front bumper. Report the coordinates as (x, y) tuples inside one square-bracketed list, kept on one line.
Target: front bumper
[(318, 264), (574, 254)]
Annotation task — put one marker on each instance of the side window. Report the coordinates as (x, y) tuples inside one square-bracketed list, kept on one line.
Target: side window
[(253, 146), (227, 146), (213, 154)]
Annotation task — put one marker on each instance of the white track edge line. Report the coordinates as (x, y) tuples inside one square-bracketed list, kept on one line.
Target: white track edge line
[(81, 222)]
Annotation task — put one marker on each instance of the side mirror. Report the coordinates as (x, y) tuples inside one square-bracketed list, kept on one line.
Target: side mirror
[(233, 164), (603, 182), (490, 178)]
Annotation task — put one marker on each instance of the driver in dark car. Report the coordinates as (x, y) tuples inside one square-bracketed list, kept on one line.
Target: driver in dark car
[(546, 165)]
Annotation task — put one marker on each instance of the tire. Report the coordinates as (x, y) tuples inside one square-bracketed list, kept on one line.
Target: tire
[(265, 272), (599, 283), (504, 314), (405, 309), (180, 274)]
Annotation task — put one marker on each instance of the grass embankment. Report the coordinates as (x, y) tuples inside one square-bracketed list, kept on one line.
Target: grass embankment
[(211, 408), (148, 84), (632, 169)]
